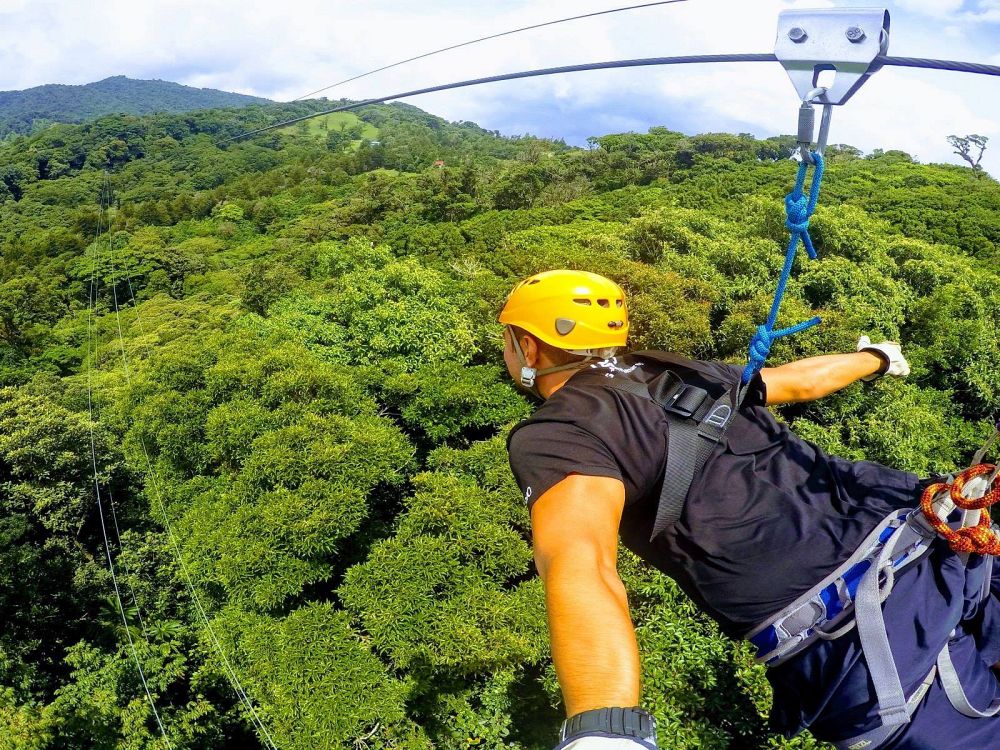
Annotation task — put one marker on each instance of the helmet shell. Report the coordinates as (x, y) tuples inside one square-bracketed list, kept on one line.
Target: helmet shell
[(573, 310)]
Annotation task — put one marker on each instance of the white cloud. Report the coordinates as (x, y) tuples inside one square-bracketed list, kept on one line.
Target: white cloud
[(961, 11), (935, 8), (988, 11)]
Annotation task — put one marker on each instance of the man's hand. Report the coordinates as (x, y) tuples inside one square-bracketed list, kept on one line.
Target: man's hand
[(891, 352)]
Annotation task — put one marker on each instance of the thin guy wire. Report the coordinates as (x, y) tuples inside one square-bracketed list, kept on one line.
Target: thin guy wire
[(231, 672), (111, 497), (483, 39), (241, 692), (118, 536), (909, 62), (97, 488)]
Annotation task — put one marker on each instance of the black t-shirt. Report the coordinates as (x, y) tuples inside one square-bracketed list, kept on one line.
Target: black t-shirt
[(768, 517)]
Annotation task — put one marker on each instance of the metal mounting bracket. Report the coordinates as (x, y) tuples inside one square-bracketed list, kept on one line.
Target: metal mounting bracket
[(845, 40)]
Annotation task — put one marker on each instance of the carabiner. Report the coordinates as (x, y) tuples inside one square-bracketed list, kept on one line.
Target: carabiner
[(807, 125)]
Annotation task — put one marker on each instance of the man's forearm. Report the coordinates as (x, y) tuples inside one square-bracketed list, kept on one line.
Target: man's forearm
[(815, 377), (593, 640)]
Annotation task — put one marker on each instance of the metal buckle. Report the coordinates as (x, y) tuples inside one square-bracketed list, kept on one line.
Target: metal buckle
[(719, 416), (846, 40)]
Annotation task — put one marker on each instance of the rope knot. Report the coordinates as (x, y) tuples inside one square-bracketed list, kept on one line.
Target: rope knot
[(979, 539), (797, 212), (760, 347)]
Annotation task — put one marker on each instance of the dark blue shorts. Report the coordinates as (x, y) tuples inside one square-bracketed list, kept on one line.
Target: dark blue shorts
[(828, 689)]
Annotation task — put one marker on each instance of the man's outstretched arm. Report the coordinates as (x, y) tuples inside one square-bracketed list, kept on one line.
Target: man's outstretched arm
[(815, 377), (575, 533)]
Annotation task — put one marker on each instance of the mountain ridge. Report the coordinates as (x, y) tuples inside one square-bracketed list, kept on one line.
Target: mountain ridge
[(27, 110)]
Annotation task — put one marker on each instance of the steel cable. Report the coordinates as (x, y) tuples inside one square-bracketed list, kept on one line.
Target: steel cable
[(884, 60), (609, 65), (955, 66)]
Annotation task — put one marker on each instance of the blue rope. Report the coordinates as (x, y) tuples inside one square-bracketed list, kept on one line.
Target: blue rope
[(798, 209)]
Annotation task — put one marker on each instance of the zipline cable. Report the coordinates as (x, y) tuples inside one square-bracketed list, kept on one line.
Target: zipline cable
[(611, 64), (483, 39), (883, 60), (230, 671), (92, 296), (954, 66)]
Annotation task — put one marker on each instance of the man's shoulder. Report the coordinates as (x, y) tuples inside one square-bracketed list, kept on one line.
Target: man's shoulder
[(709, 368)]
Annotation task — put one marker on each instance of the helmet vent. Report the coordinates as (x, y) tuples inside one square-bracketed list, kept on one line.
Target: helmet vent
[(604, 303), (583, 302), (616, 324), (619, 303), (531, 282), (564, 325)]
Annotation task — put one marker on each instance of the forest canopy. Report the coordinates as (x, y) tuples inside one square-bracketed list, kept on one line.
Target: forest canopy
[(280, 359)]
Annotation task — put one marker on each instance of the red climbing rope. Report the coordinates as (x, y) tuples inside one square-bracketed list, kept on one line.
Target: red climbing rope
[(980, 538)]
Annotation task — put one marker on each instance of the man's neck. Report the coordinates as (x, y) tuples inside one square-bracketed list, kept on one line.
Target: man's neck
[(549, 384)]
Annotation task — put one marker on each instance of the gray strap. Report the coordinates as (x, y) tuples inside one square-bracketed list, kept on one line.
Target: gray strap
[(689, 446), (956, 694), (868, 740), (872, 739), (693, 432), (875, 640), (683, 451)]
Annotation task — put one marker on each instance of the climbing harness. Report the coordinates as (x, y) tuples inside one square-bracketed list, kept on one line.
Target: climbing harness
[(852, 596)]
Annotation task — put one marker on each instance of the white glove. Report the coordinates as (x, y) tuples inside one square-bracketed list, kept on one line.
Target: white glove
[(607, 743), (891, 352)]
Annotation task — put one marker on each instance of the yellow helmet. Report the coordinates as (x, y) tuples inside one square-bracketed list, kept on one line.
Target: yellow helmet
[(573, 310)]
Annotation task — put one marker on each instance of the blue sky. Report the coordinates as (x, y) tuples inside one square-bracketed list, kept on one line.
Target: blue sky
[(282, 50)]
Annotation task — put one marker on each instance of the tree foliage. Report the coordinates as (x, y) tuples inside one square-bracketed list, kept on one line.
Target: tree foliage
[(285, 353)]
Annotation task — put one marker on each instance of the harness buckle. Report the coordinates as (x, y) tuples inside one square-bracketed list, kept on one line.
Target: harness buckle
[(720, 416), (686, 401)]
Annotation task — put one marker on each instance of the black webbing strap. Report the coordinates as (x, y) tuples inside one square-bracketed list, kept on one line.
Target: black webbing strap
[(696, 425)]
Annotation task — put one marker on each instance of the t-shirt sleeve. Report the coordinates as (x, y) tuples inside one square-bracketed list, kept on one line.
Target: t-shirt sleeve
[(756, 391), (543, 454)]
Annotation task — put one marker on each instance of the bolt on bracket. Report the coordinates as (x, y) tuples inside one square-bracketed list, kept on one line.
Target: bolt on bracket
[(844, 40)]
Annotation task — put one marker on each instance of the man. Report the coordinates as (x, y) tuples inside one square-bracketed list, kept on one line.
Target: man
[(767, 517)]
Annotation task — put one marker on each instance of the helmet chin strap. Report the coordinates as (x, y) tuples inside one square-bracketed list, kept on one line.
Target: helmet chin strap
[(530, 374)]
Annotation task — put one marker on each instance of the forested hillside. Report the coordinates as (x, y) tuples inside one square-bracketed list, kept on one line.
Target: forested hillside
[(280, 359), (29, 110)]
